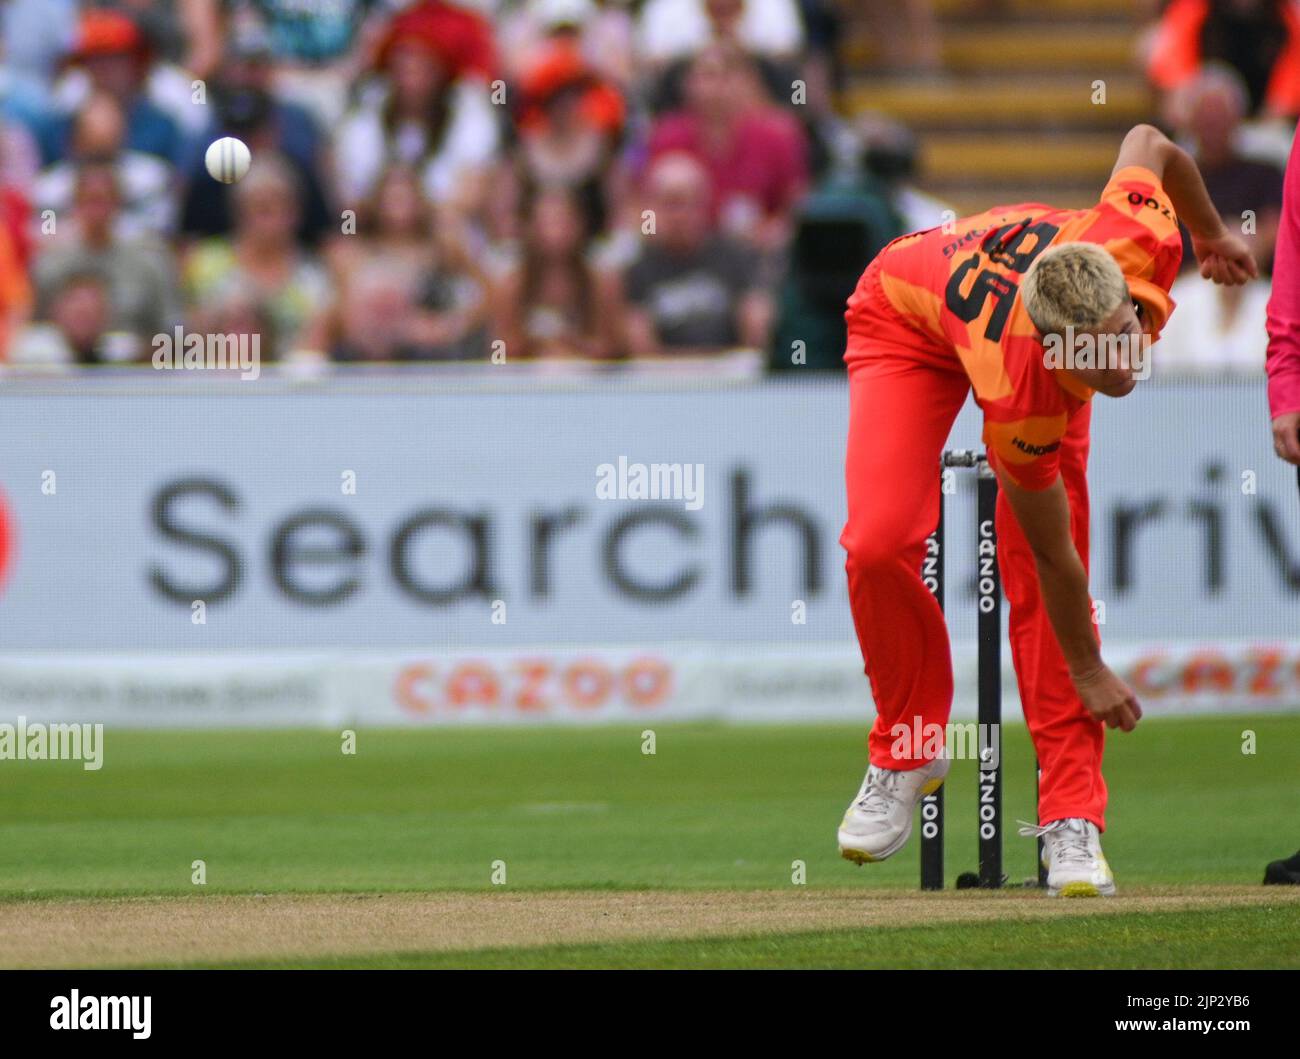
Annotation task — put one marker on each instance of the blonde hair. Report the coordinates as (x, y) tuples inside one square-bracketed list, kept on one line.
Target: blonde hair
[(1073, 285)]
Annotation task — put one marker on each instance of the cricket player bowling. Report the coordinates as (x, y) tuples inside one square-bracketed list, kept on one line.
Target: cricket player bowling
[(988, 304)]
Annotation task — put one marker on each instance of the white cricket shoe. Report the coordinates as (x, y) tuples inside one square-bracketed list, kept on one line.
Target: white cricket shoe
[(878, 821), (1076, 866)]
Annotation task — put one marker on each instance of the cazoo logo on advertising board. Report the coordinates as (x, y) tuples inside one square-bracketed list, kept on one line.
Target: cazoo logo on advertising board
[(538, 686)]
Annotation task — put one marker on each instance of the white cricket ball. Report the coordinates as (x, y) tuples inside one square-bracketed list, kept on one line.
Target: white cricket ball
[(227, 159)]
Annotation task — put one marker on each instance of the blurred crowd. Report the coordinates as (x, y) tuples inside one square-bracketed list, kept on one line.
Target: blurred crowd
[(1227, 78), (430, 180), (513, 179)]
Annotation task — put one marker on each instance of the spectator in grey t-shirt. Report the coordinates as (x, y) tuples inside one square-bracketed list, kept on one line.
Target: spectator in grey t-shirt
[(139, 273), (691, 291)]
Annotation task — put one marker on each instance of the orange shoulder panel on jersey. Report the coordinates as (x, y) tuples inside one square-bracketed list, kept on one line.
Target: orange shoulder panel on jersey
[(1135, 221)]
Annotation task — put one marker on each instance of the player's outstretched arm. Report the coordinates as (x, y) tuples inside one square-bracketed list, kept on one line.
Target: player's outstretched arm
[(1223, 256), (1044, 515)]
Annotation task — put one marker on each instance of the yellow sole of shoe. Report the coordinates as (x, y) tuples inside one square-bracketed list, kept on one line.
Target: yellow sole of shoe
[(856, 856), (1079, 889)]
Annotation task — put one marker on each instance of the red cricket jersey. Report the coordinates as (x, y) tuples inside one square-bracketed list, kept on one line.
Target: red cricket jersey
[(955, 293)]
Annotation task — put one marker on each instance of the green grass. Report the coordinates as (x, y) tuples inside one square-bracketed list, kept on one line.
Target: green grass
[(1230, 938), (716, 806)]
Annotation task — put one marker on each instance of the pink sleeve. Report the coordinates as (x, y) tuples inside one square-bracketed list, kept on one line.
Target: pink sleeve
[(1283, 363)]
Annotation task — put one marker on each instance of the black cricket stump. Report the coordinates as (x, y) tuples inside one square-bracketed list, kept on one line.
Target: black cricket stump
[(989, 635)]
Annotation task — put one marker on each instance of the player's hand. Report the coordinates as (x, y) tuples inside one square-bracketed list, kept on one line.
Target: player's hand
[(1286, 437), (1109, 699), (1225, 259)]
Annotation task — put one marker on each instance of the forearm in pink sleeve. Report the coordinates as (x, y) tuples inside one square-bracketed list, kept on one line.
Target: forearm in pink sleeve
[(1284, 303)]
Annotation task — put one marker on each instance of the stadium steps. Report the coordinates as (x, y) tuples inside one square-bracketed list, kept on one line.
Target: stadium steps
[(1012, 117), (970, 191), (996, 10), (964, 103), (967, 198), (1076, 45), (1034, 157)]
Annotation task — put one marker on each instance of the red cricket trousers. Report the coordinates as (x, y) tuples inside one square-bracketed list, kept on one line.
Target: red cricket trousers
[(903, 398)]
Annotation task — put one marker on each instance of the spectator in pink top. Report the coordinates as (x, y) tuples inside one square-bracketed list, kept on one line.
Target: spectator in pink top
[(1283, 362), (756, 153)]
